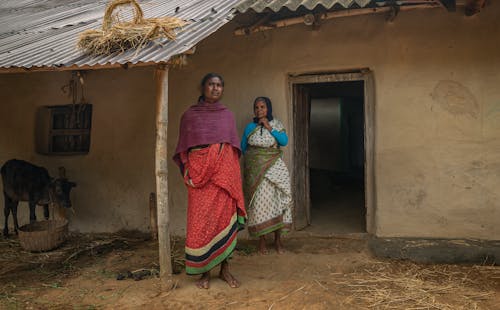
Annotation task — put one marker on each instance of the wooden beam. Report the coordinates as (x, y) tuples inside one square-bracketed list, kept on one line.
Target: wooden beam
[(161, 171), (262, 21), (330, 15)]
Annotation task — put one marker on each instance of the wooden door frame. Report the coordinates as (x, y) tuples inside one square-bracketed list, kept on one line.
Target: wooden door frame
[(366, 76)]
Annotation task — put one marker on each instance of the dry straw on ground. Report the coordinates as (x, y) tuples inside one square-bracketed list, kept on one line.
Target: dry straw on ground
[(14, 259), (117, 36), (404, 285)]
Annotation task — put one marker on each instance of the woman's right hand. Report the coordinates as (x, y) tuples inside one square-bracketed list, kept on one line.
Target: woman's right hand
[(265, 122)]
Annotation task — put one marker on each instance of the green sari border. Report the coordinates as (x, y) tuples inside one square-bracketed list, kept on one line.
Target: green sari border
[(241, 222), (226, 254), (268, 230)]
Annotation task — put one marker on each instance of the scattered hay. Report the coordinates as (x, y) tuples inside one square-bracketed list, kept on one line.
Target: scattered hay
[(177, 256), (245, 249), (14, 259), (286, 296), (402, 285), (117, 36)]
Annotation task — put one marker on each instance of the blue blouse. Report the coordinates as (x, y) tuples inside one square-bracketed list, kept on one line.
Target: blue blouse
[(280, 136)]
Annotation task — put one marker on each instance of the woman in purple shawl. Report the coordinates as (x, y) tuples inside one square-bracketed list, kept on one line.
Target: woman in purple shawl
[(208, 154)]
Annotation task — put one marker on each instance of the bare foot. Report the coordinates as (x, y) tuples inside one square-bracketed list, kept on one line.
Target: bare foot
[(279, 248), (227, 276), (204, 281), (262, 246), (277, 242)]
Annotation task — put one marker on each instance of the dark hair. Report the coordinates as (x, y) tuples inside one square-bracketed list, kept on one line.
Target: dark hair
[(204, 81), (269, 105)]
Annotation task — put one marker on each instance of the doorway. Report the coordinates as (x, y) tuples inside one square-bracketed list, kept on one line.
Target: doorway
[(333, 152)]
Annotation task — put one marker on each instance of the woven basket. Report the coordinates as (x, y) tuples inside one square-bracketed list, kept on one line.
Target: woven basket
[(43, 235)]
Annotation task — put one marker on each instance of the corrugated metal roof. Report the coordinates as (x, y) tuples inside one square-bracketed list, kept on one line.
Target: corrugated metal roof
[(275, 5), (44, 33)]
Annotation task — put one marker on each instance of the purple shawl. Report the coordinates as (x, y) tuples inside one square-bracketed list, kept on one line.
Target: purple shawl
[(206, 123)]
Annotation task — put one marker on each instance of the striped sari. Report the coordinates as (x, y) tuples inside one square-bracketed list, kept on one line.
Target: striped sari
[(216, 209), (266, 184)]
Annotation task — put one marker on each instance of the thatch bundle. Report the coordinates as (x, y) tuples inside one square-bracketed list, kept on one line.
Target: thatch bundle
[(121, 36)]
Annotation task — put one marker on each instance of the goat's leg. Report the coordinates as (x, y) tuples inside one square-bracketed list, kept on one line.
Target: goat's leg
[(6, 212), (14, 215)]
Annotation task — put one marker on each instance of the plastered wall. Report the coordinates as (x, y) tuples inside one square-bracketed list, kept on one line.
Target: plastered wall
[(437, 135), (114, 180)]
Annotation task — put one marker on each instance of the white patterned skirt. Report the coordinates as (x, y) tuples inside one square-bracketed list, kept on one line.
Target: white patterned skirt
[(270, 208)]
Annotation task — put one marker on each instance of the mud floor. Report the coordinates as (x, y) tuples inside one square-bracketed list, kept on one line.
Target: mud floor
[(315, 273)]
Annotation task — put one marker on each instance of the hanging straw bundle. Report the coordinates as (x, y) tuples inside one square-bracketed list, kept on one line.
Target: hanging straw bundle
[(121, 36)]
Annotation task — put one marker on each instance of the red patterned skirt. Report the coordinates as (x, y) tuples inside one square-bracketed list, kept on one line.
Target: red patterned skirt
[(215, 205)]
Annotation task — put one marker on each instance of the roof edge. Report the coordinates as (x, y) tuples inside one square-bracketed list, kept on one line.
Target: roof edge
[(84, 67)]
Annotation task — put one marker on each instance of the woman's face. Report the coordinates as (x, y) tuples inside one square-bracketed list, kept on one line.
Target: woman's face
[(212, 90), (260, 109)]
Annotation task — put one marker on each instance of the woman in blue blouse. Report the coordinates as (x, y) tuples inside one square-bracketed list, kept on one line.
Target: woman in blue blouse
[(267, 181)]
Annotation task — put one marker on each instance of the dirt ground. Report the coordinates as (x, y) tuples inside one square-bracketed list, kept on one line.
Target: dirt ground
[(315, 273)]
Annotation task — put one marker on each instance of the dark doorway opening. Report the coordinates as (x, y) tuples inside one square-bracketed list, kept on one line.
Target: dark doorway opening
[(333, 153), (333, 175), (337, 157)]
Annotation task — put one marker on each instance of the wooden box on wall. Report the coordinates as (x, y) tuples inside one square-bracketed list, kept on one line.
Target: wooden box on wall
[(63, 129)]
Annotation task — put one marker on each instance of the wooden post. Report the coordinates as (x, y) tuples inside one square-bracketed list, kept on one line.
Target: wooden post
[(153, 216), (161, 169), (56, 210)]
